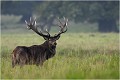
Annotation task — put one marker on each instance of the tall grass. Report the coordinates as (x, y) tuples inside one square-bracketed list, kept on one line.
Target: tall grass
[(79, 56)]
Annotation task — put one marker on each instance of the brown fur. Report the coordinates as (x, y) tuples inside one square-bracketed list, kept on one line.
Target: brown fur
[(35, 54)]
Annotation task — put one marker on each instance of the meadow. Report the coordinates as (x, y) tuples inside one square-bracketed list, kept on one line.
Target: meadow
[(79, 56)]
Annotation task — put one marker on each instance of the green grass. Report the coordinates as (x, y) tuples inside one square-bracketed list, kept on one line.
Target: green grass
[(79, 56)]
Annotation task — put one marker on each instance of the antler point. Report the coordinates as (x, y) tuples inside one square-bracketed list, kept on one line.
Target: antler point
[(25, 21), (46, 30)]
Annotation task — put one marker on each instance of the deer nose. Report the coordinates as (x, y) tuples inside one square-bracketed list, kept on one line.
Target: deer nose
[(55, 43)]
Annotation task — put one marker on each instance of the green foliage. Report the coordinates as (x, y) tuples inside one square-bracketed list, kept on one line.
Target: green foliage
[(79, 56), (75, 10), (105, 10), (80, 10), (105, 13)]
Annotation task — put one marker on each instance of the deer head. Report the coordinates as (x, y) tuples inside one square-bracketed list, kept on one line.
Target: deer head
[(51, 40)]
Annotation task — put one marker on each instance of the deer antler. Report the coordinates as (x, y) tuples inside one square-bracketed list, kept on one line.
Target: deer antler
[(32, 25), (62, 26)]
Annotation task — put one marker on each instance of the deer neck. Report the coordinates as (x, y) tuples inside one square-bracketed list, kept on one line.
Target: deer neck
[(50, 49)]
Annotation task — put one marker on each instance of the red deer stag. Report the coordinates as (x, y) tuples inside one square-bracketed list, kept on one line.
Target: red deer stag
[(38, 54)]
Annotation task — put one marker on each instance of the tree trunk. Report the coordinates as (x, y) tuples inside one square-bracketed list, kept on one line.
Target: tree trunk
[(107, 25)]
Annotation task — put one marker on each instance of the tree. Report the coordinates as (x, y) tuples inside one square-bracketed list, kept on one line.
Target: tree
[(47, 12), (105, 13), (23, 8)]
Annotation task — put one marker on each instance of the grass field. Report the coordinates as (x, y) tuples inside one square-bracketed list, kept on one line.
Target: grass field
[(79, 56)]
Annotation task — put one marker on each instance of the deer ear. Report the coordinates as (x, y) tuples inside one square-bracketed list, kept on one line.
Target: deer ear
[(57, 37), (46, 38)]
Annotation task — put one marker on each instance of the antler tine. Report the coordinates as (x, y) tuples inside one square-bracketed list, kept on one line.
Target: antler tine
[(64, 18), (32, 25), (34, 21), (27, 25), (62, 30), (59, 25), (47, 32), (30, 20), (64, 25), (60, 22)]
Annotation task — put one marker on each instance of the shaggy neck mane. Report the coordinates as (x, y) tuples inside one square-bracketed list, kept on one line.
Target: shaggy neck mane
[(50, 51)]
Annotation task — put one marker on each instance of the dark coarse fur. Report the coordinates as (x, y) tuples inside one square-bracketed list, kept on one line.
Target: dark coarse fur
[(35, 54)]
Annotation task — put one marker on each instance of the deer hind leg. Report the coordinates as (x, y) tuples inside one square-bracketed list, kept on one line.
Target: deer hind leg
[(14, 61), (23, 61)]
